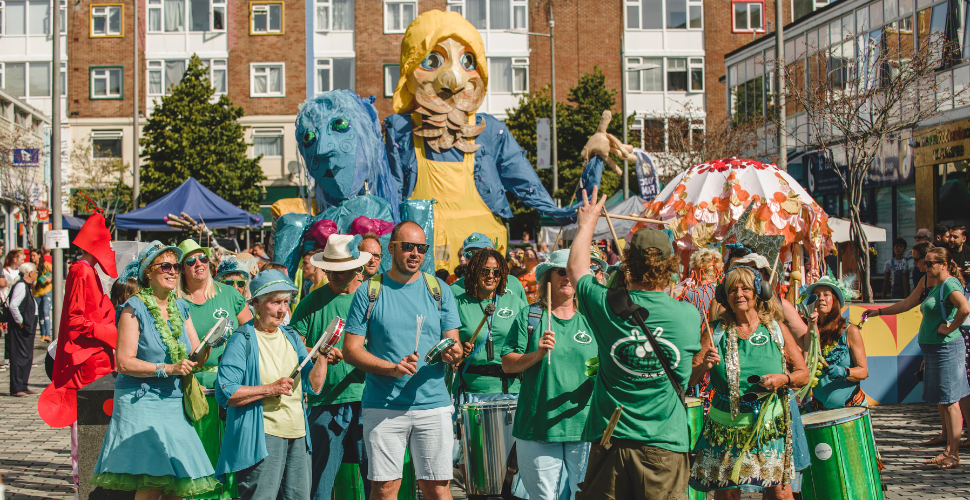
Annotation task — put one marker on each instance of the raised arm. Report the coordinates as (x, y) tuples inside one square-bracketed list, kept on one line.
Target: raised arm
[(578, 264)]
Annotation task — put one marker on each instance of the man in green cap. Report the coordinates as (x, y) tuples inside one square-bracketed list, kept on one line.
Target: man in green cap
[(651, 432)]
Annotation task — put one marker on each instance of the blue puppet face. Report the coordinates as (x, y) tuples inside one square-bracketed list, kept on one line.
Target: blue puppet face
[(329, 130)]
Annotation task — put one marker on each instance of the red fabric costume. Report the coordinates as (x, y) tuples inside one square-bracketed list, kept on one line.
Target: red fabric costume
[(87, 335)]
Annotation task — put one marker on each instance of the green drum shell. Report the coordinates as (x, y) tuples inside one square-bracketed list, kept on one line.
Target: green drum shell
[(349, 484), (211, 430), (695, 420), (843, 454)]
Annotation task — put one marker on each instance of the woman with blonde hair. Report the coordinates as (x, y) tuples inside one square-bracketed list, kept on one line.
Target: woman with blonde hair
[(761, 364)]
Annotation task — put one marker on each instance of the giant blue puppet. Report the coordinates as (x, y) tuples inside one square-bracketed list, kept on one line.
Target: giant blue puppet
[(441, 164)]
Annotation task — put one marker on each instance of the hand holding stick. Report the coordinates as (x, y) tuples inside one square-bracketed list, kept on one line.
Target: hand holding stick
[(489, 310), (616, 240)]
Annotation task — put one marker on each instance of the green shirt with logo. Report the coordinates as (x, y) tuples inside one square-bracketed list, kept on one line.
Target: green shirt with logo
[(512, 285), (227, 303), (344, 383), (630, 373), (933, 314), (554, 398), (507, 314)]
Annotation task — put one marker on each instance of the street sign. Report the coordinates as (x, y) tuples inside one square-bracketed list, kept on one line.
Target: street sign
[(42, 214), (543, 144), (56, 239)]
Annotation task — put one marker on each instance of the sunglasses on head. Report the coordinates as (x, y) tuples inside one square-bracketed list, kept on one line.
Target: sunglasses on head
[(235, 283), (491, 271), (409, 247), (168, 267), (201, 258)]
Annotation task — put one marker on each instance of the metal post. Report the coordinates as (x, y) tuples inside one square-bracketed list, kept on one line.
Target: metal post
[(782, 161), (555, 140), (623, 75), (136, 169), (56, 196)]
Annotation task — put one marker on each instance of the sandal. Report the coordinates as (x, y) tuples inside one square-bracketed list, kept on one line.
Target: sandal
[(938, 440), (953, 463), (937, 459)]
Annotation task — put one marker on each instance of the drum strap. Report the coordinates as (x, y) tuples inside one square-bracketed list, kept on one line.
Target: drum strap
[(511, 469)]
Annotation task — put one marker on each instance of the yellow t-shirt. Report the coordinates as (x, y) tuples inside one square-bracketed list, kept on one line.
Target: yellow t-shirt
[(283, 415)]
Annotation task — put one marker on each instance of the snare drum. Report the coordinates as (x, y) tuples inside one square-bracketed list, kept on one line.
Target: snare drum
[(843, 456), (486, 436), (434, 355)]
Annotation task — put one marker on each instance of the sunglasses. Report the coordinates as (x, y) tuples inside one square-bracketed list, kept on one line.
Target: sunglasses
[(595, 268), (168, 267), (376, 256), (409, 247), (561, 273), (201, 258), (932, 262), (491, 272), (469, 254), (235, 283)]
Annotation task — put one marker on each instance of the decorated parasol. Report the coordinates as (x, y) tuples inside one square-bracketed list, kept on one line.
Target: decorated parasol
[(703, 205)]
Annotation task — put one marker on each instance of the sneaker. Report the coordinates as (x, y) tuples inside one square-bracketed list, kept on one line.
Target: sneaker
[(45, 338)]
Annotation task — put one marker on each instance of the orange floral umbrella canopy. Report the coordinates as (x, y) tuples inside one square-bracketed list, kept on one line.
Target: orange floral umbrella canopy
[(703, 203)]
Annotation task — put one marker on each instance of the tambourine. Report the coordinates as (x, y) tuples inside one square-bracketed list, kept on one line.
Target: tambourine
[(434, 355), (327, 341), (215, 337)]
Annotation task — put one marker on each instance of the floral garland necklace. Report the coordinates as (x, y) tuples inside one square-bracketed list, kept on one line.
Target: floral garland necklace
[(170, 335)]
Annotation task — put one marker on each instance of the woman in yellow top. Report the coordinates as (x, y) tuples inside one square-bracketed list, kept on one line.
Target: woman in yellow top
[(43, 289)]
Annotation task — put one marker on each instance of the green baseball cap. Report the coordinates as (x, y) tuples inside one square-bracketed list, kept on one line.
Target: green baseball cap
[(647, 238)]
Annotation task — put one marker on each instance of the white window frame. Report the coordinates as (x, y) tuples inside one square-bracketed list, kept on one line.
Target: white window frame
[(700, 5), (456, 6), (520, 64), (63, 29), (155, 66), (695, 63), (254, 67), (319, 64), (635, 61), (264, 7), (1, 76), (269, 132), (107, 134), (218, 65), (749, 3), (3, 20), (399, 6), (522, 5), (390, 79), (106, 76), (214, 6), (104, 11), (155, 7)]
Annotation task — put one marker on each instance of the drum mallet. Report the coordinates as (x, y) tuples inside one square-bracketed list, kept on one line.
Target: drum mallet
[(489, 310), (608, 433)]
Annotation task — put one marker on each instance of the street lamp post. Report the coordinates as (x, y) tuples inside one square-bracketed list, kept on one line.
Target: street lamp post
[(136, 168), (782, 162), (56, 196)]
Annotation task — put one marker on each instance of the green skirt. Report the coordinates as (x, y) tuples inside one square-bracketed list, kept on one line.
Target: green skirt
[(211, 430)]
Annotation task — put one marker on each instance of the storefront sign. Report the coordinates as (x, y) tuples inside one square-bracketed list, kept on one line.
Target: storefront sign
[(26, 157), (943, 144)]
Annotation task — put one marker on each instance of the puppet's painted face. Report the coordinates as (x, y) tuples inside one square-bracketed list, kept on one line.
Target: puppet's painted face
[(446, 88), (330, 129)]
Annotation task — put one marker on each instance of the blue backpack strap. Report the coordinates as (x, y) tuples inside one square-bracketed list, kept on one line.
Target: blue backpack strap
[(373, 291), (535, 315), (434, 288)]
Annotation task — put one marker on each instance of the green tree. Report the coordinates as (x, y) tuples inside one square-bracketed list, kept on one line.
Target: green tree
[(188, 135), (576, 121)]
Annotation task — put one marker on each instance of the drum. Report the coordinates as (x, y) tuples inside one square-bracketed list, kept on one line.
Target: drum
[(434, 355), (843, 456), (349, 484), (695, 421), (486, 435)]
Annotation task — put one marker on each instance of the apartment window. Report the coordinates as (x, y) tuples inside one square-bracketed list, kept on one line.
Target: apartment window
[(106, 20), (1, 82), (106, 143), (162, 75), (676, 74), (644, 14), (38, 17), (267, 18), (200, 15), (267, 80), (63, 74), (749, 16), (696, 74), (493, 14), (684, 14), (802, 8), (218, 15), (508, 75), (645, 74), (334, 74), (392, 73), (31, 79), (335, 15), (398, 15), (268, 142), (155, 16), (217, 74), (106, 82)]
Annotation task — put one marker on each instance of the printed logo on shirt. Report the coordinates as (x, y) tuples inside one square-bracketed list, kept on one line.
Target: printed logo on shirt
[(635, 355), (582, 337), (220, 313), (505, 313)]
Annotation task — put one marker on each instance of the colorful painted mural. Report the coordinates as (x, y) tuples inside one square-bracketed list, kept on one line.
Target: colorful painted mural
[(893, 355)]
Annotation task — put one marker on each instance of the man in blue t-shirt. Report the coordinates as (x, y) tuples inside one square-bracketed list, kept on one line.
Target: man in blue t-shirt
[(405, 402)]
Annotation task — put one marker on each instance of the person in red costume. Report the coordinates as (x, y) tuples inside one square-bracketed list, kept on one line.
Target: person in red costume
[(87, 335)]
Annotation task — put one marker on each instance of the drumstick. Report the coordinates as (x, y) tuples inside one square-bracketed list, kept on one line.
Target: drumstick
[(616, 241), (549, 318), (489, 310), (608, 433), (635, 219), (417, 336)]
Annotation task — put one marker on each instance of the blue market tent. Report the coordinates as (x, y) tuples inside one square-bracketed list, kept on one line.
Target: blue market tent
[(195, 200), (73, 223)]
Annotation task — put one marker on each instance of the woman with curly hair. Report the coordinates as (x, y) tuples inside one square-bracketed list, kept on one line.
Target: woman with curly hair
[(746, 442)]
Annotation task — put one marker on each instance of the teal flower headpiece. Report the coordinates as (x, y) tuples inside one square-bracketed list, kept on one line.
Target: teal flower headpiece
[(844, 288)]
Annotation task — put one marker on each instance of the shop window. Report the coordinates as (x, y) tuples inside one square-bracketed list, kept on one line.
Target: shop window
[(266, 18), (106, 20)]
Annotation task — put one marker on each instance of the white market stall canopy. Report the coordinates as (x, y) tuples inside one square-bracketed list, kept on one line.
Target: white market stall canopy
[(632, 205), (841, 231)]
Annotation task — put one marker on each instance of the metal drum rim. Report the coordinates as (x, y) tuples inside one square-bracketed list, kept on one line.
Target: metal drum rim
[(858, 412), (484, 405), (693, 402)]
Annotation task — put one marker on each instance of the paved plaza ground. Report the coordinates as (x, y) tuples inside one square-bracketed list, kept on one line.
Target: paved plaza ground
[(35, 460)]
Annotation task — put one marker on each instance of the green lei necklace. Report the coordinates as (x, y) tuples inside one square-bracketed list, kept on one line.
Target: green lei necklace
[(170, 336)]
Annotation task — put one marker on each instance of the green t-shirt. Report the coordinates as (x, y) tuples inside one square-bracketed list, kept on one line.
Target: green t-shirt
[(344, 383), (507, 313), (512, 285), (652, 412), (757, 355), (227, 303), (554, 398), (933, 315)]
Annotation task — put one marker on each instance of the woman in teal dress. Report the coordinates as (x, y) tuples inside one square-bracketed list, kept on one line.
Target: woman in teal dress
[(150, 446), (746, 443)]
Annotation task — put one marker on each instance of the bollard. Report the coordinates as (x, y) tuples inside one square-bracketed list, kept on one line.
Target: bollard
[(92, 423)]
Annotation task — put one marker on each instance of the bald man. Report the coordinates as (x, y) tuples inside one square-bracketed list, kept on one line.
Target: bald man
[(405, 402)]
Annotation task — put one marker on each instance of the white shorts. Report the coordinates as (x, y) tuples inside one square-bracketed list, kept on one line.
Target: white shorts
[(387, 433)]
